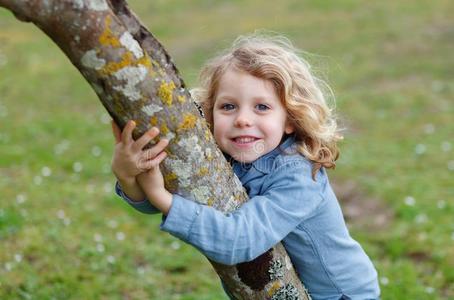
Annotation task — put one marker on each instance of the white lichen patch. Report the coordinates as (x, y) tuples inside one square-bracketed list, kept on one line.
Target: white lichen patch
[(231, 205), (202, 194), (91, 60), (78, 4), (131, 76), (193, 149), (151, 109), (97, 5), (182, 169), (208, 153), (169, 136), (288, 263), (131, 44)]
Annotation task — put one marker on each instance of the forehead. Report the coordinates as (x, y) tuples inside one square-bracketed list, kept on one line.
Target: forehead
[(236, 82)]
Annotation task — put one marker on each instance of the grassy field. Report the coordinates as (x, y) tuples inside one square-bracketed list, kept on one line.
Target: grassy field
[(65, 235)]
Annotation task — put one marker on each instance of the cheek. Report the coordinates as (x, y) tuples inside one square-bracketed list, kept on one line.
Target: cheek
[(219, 126)]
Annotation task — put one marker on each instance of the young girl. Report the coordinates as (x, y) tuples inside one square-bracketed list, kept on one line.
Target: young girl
[(269, 116)]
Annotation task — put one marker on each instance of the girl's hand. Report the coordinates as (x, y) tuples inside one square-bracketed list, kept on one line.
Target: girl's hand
[(129, 159)]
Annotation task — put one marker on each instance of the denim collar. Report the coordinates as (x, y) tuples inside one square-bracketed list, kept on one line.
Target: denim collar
[(264, 163)]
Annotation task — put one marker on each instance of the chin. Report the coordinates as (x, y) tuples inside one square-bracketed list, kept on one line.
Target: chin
[(245, 160)]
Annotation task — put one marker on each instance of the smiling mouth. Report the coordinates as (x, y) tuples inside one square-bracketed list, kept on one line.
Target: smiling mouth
[(245, 139)]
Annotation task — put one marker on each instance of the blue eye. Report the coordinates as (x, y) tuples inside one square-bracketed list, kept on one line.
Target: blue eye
[(227, 106), (261, 107)]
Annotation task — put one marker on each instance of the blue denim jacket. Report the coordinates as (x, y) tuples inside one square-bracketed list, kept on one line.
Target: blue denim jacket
[(286, 205)]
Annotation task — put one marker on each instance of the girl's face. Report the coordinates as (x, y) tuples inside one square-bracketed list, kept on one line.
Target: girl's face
[(249, 120)]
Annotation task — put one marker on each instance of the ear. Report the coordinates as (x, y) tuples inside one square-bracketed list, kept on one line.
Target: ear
[(289, 127)]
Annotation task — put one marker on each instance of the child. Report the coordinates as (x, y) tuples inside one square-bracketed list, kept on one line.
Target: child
[(269, 116)]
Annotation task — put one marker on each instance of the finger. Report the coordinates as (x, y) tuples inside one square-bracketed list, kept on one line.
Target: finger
[(126, 135), (156, 149), (116, 132), (153, 163), (146, 138)]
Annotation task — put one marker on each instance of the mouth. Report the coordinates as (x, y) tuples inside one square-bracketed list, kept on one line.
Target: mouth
[(244, 140)]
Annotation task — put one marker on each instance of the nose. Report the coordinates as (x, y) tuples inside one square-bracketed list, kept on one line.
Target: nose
[(243, 119)]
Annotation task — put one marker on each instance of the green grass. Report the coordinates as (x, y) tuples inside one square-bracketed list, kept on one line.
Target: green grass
[(63, 233)]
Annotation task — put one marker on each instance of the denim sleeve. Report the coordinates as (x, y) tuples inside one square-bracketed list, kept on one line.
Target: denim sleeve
[(143, 206), (291, 196)]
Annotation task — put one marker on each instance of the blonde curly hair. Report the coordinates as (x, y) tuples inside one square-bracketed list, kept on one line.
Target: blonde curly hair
[(275, 59)]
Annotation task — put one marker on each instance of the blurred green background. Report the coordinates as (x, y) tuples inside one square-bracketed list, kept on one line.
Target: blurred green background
[(65, 235)]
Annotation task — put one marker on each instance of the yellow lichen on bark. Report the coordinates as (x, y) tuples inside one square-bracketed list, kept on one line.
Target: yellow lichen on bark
[(170, 176), (203, 171), (127, 59), (154, 121), (189, 121), (210, 202), (207, 135), (107, 38), (165, 92), (277, 285), (181, 99), (164, 129)]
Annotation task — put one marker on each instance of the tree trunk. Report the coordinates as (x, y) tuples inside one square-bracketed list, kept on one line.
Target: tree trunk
[(135, 78)]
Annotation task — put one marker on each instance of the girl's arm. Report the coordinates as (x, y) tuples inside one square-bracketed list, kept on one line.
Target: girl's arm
[(291, 196), (143, 206)]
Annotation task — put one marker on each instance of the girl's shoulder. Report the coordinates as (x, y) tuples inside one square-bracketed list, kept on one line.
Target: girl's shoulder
[(290, 160)]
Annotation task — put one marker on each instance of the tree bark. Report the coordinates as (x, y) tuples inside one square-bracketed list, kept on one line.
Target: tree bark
[(135, 78)]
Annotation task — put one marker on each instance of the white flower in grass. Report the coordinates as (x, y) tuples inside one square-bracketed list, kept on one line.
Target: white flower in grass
[(429, 128), (37, 180), (429, 290), (21, 198), (18, 257), (112, 224), (104, 118), (140, 270), (67, 221), (61, 147), (96, 151), (23, 213), (446, 146), (410, 201), (451, 165), (110, 259), (46, 171), (441, 204), (8, 266), (452, 236), (108, 187), (175, 245), (100, 248), (420, 149), (421, 218), (61, 214), (97, 237), (437, 86), (77, 167), (384, 280), (120, 236)]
